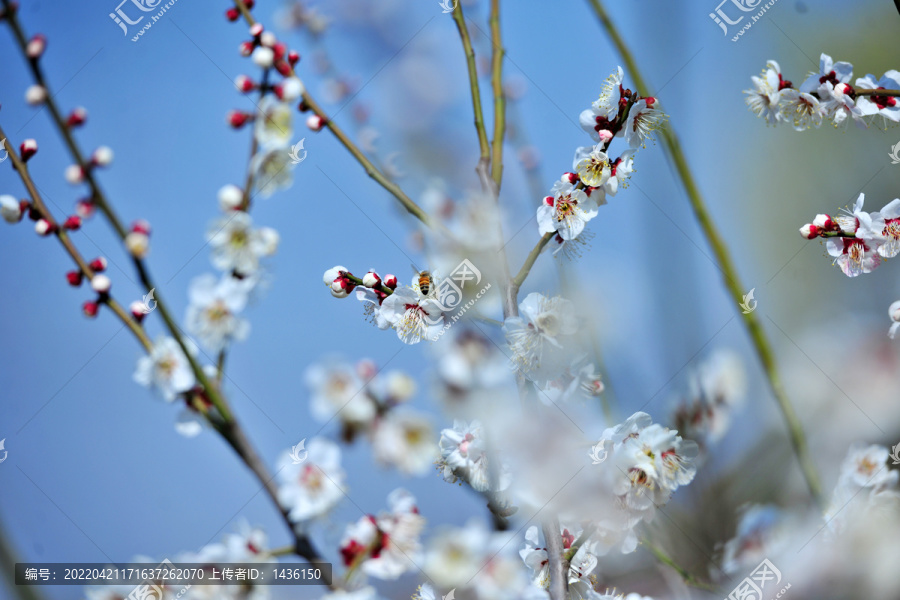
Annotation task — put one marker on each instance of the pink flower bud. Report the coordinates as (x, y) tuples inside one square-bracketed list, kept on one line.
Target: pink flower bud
[(246, 48), (315, 122), (548, 200), (390, 281), (138, 244), (256, 30), (36, 46), (101, 284), (293, 57), (74, 278), (90, 309), (73, 223), (74, 174), (244, 83), (824, 222), (366, 369), (290, 89), (138, 310), (85, 208), (267, 38), (98, 265), (605, 136), (569, 178), (263, 57), (28, 148), (280, 50), (371, 279), (232, 14), (102, 156), (237, 118), (141, 226), (809, 231), (230, 197), (77, 117), (36, 95), (43, 227), (11, 209), (283, 68)]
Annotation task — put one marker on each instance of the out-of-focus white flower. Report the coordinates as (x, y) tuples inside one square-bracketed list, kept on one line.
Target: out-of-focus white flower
[(536, 558), (236, 246), (894, 313), (10, 209), (454, 555), (271, 167), (760, 533), (716, 388), (464, 454), (405, 440), (338, 390), (311, 488), (388, 545), (363, 593), (541, 322), (212, 315), (604, 110), (471, 360), (867, 467), (274, 123), (165, 369), (230, 197)]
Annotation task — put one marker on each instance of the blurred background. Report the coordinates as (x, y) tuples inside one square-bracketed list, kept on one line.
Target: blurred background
[(95, 468)]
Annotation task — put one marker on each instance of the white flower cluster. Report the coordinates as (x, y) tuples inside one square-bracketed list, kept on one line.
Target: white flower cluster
[(247, 545), (576, 197), (858, 240), (465, 456), (365, 402), (825, 96)]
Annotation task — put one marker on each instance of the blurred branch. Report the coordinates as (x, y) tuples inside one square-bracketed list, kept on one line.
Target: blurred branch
[(229, 428), (530, 260), (370, 168), (21, 168), (757, 335), (499, 99), (460, 20), (557, 564), (669, 562)]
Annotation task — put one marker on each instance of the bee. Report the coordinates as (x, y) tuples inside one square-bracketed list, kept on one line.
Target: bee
[(425, 280)]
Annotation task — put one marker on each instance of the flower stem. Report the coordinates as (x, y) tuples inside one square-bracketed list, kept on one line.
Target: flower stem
[(668, 561), (757, 335), (558, 565), (370, 168), (499, 98), (460, 20), (64, 239), (519, 279)]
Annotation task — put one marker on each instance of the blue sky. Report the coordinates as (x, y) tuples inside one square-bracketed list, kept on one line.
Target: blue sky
[(95, 468)]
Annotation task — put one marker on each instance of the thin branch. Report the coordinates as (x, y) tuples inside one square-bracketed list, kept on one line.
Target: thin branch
[(519, 279), (665, 559), (758, 336), (230, 429), (370, 168), (499, 98), (483, 144), (22, 169), (558, 566)]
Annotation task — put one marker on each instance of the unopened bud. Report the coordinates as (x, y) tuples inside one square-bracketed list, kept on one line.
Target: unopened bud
[(74, 278), (90, 308), (74, 174), (390, 281), (101, 284), (230, 197), (36, 95), (43, 227), (77, 117), (36, 46), (102, 156), (98, 265), (28, 148), (11, 209), (371, 279), (315, 122), (73, 223)]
